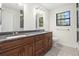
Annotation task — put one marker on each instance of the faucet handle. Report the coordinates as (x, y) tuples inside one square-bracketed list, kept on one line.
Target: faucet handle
[(13, 33), (16, 32)]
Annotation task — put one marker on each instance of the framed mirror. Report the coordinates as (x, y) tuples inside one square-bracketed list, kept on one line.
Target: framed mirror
[(11, 17)]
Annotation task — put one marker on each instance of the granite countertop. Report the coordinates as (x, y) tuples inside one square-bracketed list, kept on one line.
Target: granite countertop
[(10, 37)]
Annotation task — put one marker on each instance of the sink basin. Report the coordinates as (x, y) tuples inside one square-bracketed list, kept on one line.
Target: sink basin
[(18, 36)]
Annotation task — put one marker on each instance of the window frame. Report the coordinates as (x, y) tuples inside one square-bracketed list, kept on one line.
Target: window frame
[(62, 13)]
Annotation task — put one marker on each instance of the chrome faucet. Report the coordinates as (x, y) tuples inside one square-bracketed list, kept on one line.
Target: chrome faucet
[(14, 33)]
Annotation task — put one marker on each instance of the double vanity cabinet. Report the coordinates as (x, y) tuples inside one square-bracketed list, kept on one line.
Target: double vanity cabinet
[(34, 45)]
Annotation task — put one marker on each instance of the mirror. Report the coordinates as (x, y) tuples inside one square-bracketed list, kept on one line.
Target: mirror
[(11, 17)]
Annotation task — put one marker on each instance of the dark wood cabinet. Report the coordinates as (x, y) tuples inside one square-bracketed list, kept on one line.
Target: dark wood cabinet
[(13, 52), (49, 38), (47, 41), (45, 44), (36, 45), (28, 50)]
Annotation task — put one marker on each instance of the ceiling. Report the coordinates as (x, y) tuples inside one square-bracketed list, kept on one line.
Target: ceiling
[(12, 5), (50, 6)]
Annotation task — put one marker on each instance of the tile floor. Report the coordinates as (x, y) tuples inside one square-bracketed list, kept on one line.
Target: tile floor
[(60, 50)]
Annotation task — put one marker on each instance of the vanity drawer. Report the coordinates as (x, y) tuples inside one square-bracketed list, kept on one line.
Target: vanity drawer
[(10, 43), (16, 42), (48, 35), (38, 37), (27, 40)]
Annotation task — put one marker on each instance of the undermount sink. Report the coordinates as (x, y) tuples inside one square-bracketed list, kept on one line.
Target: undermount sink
[(18, 36)]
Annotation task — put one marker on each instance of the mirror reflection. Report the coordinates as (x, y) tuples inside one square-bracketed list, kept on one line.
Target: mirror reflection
[(11, 17)]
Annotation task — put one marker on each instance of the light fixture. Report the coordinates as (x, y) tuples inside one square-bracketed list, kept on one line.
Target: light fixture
[(20, 4), (0, 5)]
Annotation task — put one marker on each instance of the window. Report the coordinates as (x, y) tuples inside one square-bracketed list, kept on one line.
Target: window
[(63, 19)]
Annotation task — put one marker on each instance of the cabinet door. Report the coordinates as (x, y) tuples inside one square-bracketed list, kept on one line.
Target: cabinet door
[(28, 50), (50, 39), (47, 42), (13, 52), (50, 43), (39, 52), (38, 45), (38, 48)]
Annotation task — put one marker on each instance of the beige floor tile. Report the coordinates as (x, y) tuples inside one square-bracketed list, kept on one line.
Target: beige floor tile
[(60, 50)]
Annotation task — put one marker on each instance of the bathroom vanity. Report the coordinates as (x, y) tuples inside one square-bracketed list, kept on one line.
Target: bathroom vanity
[(31, 44)]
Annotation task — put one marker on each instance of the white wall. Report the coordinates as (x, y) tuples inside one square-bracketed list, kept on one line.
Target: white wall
[(47, 21), (65, 36), (29, 22), (29, 18), (0, 12)]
